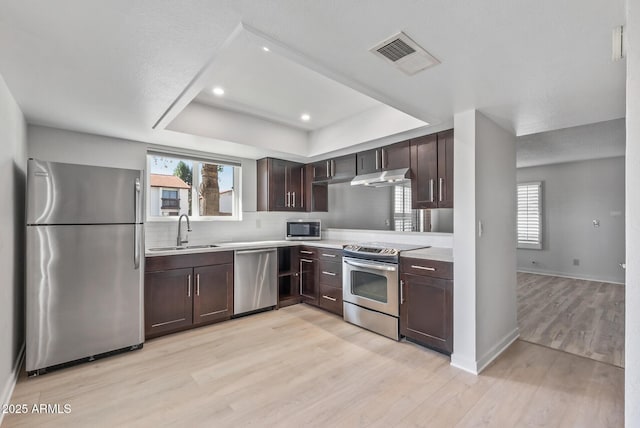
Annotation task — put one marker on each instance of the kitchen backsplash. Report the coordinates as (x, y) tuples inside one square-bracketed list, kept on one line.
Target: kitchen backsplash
[(266, 226)]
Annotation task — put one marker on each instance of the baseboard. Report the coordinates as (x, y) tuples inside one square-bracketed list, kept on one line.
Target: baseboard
[(497, 349), (475, 367), (564, 275), (463, 363), (7, 390)]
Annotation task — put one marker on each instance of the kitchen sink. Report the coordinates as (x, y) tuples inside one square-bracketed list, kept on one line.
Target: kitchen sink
[(185, 247)]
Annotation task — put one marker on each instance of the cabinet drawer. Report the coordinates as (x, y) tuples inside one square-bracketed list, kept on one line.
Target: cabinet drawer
[(329, 254), (308, 252), (330, 273), (434, 268), (160, 263), (330, 298)]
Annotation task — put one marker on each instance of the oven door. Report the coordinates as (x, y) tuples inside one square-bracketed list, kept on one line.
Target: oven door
[(370, 284)]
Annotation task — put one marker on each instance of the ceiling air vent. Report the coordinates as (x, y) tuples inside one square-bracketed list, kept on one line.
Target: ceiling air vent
[(404, 54)]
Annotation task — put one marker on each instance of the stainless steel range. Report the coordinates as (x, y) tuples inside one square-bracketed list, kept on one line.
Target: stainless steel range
[(370, 286)]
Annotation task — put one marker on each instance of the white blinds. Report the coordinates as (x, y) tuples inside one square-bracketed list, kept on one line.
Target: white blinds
[(529, 215), (402, 208)]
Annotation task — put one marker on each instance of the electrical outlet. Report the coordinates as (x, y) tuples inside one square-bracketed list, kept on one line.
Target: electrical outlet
[(576, 262)]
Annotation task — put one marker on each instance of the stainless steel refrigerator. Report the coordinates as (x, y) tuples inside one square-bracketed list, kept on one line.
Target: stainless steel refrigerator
[(85, 241)]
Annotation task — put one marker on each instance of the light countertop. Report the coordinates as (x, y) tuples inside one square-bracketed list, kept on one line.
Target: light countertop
[(231, 246), (432, 253)]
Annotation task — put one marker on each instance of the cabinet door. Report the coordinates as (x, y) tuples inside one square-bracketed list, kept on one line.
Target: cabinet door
[(278, 177), (321, 170), (295, 172), (343, 168), (167, 300), (308, 280), (445, 169), (424, 167), (368, 161), (213, 300), (426, 311), (395, 156)]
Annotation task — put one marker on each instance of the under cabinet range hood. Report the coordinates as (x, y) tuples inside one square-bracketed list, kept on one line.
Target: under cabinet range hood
[(392, 177)]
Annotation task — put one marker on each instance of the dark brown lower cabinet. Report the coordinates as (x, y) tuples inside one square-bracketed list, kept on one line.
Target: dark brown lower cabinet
[(185, 291), (426, 307), (213, 298), (321, 277), (167, 303)]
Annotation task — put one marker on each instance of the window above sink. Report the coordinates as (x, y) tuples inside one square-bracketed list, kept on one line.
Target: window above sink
[(204, 189)]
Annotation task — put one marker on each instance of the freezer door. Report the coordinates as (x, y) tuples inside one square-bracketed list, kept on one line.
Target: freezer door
[(84, 292), (60, 193)]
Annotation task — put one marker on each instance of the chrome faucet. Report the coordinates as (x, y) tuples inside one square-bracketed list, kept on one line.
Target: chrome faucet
[(180, 241)]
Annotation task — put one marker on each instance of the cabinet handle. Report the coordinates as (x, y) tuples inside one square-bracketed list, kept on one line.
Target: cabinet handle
[(329, 273), (328, 255), (333, 299), (294, 199), (377, 160), (431, 190), (306, 252), (333, 167), (361, 163), (286, 199), (440, 185), (305, 261), (401, 292), (189, 285), (197, 284), (300, 277), (383, 159), (328, 171), (423, 268)]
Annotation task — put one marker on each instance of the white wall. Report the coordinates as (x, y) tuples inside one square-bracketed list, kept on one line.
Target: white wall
[(13, 165), (632, 303), (496, 307), (573, 195), (484, 264), (60, 145), (377, 122), (464, 241), (208, 121)]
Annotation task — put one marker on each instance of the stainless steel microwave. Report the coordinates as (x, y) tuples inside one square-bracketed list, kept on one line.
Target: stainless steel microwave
[(303, 230)]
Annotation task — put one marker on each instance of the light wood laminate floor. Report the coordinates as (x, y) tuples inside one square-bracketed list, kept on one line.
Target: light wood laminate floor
[(302, 367), (581, 317)]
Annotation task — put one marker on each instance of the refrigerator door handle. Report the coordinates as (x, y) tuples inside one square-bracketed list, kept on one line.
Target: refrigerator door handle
[(136, 231)]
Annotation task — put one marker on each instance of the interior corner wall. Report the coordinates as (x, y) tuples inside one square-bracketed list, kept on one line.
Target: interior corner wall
[(573, 195), (495, 199), (13, 166), (632, 234), (464, 242)]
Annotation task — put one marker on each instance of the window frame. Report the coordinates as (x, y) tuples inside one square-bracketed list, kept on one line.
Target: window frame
[(530, 245), (197, 161)]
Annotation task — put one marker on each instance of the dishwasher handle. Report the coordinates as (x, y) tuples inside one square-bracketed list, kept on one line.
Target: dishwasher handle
[(266, 250)]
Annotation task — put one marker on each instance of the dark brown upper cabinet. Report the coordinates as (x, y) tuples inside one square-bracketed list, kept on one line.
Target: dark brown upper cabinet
[(394, 156), (335, 170), (432, 169), (316, 193), (280, 185)]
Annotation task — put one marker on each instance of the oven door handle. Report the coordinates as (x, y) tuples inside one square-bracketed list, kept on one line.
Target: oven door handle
[(368, 265)]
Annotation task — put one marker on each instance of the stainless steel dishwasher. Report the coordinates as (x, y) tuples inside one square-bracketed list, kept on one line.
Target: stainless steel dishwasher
[(255, 280)]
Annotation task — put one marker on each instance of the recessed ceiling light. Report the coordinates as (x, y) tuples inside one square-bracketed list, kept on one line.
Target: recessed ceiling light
[(305, 117), (218, 91), (266, 49)]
